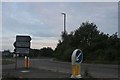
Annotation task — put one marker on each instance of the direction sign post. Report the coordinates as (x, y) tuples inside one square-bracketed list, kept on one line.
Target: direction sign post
[(22, 50), (22, 46), (15, 61), (76, 58)]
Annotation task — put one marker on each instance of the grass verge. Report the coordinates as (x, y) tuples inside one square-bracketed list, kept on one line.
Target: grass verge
[(7, 61)]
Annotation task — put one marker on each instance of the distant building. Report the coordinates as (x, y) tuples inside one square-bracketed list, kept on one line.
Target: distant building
[(6, 53)]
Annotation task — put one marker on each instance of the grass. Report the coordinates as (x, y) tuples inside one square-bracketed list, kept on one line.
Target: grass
[(7, 61), (8, 76)]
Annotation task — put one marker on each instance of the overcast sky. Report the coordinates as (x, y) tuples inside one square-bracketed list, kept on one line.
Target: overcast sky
[(43, 20)]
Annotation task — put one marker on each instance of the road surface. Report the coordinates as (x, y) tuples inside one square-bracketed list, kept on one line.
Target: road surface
[(63, 69)]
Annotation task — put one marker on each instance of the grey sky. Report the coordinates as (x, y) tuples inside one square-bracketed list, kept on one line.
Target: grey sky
[(43, 20)]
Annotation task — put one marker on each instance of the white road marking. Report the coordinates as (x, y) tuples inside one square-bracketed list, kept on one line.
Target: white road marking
[(25, 71)]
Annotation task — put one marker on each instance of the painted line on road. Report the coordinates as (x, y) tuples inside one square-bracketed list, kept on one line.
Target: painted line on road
[(25, 71)]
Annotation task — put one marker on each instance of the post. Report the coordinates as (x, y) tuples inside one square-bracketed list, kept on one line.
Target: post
[(29, 63), (25, 62), (73, 65), (76, 59), (64, 22), (64, 16), (15, 61)]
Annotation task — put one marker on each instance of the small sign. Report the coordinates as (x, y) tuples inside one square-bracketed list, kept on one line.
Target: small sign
[(22, 50), (79, 56), (22, 44), (21, 38)]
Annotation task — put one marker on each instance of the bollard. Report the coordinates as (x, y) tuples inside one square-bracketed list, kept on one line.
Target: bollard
[(14, 55), (28, 62), (76, 59), (25, 62), (73, 65)]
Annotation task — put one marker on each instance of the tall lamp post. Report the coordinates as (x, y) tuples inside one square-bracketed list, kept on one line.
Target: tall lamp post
[(64, 18)]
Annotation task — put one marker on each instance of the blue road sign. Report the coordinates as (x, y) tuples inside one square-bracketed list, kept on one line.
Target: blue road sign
[(79, 56)]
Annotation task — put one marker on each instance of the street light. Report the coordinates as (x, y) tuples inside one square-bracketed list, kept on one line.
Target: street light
[(64, 18)]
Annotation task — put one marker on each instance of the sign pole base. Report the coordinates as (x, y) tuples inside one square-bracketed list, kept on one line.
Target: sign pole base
[(16, 61)]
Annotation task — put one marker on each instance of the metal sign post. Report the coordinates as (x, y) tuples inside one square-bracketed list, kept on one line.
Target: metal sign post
[(76, 58), (27, 62), (15, 61)]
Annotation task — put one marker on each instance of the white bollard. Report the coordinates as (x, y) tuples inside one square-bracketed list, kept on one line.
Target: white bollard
[(14, 55), (25, 62), (76, 59), (29, 63), (17, 55)]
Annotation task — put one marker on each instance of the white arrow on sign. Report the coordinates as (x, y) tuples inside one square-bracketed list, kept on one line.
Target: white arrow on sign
[(21, 38), (78, 57), (22, 50), (22, 44)]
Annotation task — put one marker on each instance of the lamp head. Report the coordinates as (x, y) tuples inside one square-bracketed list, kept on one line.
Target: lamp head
[(63, 13)]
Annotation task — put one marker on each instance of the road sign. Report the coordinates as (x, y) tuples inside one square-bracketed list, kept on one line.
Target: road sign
[(22, 44), (21, 38), (79, 56), (22, 50)]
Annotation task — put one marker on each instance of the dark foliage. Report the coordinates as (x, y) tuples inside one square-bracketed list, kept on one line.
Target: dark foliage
[(43, 52), (97, 47)]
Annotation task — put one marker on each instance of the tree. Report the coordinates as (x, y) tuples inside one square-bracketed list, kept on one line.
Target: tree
[(96, 46), (46, 52)]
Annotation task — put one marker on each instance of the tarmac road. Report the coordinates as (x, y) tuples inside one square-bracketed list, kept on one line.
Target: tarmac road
[(63, 69), (96, 70), (34, 73)]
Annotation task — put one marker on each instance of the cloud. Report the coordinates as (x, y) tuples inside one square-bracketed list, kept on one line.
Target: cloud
[(48, 15), (7, 43), (102, 14), (45, 20), (28, 22), (40, 42)]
